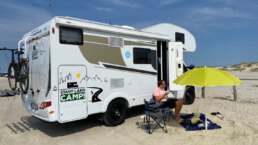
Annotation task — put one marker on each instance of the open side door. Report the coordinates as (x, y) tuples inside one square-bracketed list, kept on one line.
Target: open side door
[(162, 61), (170, 65), (176, 64)]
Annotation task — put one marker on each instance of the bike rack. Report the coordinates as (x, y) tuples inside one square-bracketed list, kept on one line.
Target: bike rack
[(25, 44), (21, 54)]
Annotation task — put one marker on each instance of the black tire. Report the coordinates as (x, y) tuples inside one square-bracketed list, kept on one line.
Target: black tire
[(24, 78), (116, 112), (189, 96), (24, 85), (12, 75)]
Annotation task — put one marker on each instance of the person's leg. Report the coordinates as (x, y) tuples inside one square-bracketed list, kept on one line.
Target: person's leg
[(178, 107), (177, 104)]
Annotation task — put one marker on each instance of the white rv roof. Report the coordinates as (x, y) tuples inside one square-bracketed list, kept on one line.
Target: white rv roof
[(109, 28), (170, 30), (162, 31), (70, 21)]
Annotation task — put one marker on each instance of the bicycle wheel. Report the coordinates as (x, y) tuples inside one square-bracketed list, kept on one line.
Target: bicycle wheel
[(12, 76), (24, 77)]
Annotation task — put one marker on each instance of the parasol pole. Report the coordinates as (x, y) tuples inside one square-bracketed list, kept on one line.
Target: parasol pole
[(235, 93), (203, 92)]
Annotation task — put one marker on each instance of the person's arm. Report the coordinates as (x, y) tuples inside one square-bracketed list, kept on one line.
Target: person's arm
[(160, 95), (159, 98)]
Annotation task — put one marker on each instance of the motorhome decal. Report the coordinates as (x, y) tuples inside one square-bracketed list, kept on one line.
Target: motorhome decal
[(78, 75), (99, 49), (72, 94), (34, 53), (128, 54), (95, 78), (65, 78), (72, 85), (95, 39), (95, 53), (95, 95), (130, 69)]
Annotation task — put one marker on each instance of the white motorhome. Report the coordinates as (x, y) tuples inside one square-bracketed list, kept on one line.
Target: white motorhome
[(80, 67)]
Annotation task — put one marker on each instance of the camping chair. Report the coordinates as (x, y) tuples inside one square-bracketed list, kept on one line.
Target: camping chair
[(155, 114)]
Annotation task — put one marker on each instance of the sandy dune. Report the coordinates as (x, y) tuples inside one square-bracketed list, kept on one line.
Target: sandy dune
[(239, 127)]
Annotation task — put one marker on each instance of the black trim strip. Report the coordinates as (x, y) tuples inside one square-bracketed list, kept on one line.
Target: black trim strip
[(129, 69)]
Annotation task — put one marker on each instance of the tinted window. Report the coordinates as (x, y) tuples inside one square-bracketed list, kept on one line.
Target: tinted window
[(141, 55), (71, 35), (180, 37), (153, 59), (144, 56)]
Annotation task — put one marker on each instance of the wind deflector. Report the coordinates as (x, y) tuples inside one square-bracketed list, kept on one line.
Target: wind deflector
[(170, 30)]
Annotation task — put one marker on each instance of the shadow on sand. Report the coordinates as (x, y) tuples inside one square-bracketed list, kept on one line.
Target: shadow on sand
[(8, 93), (226, 98), (30, 123), (249, 79)]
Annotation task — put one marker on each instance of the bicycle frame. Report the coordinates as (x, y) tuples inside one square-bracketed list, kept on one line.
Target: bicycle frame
[(19, 62), (13, 52)]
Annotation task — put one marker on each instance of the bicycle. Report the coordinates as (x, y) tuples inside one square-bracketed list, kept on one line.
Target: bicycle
[(18, 72)]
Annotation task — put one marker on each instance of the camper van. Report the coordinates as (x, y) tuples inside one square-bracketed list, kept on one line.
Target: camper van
[(78, 67)]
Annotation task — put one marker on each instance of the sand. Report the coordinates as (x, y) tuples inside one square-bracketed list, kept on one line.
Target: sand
[(239, 127)]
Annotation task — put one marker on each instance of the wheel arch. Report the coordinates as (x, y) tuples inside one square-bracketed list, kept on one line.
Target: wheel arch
[(115, 96)]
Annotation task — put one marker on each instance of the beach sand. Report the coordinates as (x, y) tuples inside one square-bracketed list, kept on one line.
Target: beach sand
[(239, 127)]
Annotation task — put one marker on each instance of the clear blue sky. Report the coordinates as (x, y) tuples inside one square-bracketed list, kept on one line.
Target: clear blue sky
[(226, 30)]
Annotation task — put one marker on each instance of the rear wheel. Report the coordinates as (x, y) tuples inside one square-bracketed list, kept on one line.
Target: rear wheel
[(24, 85), (116, 112), (12, 76), (24, 79)]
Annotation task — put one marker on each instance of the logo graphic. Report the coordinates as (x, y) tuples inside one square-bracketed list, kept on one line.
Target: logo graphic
[(72, 94), (95, 95), (128, 54), (78, 75)]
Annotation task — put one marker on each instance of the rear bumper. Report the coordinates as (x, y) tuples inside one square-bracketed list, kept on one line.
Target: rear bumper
[(42, 114), (43, 118)]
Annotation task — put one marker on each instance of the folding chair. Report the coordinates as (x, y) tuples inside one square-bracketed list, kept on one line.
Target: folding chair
[(154, 115)]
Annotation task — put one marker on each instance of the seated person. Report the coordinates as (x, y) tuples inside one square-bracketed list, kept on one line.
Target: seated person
[(161, 96)]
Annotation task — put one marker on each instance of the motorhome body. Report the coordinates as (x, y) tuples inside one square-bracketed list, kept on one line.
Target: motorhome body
[(79, 67)]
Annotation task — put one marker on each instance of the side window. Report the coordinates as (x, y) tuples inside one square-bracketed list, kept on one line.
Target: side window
[(141, 55), (153, 59), (144, 56), (68, 35), (180, 37)]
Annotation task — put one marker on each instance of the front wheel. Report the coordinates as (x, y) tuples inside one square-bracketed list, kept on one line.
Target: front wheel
[(116, 112), (12, 76)]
